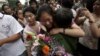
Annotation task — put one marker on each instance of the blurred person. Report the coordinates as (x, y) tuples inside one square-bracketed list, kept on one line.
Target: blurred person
[(31, 26), (10, 41), (88, 45), (33, 6), (45, 16), (68, 4), (6, 9), (19, 5), (21, 19)]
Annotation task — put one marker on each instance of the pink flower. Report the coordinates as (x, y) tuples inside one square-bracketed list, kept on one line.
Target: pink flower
[(41, 36)]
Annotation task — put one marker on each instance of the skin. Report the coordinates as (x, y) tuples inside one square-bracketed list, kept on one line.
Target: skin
[(7, 9), (93, 17), (10, 39), (47, 21), (30, 18)]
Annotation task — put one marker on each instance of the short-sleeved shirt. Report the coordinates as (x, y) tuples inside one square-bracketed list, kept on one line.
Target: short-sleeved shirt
[(8, 27)]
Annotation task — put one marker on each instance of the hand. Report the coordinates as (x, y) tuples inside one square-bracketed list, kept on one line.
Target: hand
[(86, 13), (56, 31)]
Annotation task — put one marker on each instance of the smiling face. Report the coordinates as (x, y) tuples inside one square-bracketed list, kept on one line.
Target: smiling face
[(46, 19)]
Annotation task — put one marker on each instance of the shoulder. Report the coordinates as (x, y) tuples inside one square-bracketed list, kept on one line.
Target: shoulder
[(9, 17)]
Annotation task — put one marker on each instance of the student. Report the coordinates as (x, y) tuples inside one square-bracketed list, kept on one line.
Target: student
[(31, 26), (63, 19), (21, 18), (45, 16), (10, 41)]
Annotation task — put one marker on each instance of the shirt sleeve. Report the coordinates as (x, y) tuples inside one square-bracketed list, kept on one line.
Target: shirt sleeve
[(15, 26)]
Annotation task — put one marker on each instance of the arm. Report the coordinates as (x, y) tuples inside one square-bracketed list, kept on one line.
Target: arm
[(79, 19), (95, 30), (75, 31), (9, 39), (15, 29)]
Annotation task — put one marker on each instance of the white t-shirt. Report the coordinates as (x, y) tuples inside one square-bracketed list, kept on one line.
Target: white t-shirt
[(8, 27)]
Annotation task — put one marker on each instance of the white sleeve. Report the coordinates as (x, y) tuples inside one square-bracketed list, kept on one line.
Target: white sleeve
[(15, 26)]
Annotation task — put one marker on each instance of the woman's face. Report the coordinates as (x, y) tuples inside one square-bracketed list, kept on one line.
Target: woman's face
[(96, 6), (46, 19), (20, 14), (30, 18)]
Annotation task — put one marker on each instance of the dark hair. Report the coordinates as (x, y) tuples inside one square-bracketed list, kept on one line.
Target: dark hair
[(66, 3), (17, 3), (63, 18), (4, 6), (89, 5), (30, 9), (44, 8), (32, 1)]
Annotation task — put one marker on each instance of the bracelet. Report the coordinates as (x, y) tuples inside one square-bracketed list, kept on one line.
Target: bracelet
[(91, 21)]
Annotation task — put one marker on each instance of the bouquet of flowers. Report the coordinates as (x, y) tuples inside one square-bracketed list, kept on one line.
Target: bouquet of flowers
[(46, 45), (38, 42)]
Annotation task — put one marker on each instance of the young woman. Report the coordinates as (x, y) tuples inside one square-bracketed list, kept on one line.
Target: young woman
[(32, 26), (89, 44), (21, 18), (45, 16)]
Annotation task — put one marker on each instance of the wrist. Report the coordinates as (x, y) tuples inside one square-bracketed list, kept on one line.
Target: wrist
[(91, 21)]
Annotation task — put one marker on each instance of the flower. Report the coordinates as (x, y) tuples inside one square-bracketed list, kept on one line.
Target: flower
[(29, 37), (46, 49)]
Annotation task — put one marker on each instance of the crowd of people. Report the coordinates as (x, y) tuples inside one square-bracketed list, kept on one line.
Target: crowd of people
[(51, 28)]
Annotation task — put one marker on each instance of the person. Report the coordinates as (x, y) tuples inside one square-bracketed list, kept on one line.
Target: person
[(68, 4), (31, 26), (45, 16), (6, 9), (10, 41), (32, 6), (88, 45), (21, 19), (63, 19), (19, 6)]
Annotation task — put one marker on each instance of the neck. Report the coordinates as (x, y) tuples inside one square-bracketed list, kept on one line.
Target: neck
[(97, 14)]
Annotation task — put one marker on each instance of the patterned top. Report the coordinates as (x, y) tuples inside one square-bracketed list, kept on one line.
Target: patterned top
[(88, 40)]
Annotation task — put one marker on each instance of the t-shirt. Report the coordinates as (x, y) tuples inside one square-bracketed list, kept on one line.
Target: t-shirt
[(9, 26), (34, 29), (68, 42)]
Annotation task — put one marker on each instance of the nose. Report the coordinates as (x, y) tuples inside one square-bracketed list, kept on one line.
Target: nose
[(48, 23)]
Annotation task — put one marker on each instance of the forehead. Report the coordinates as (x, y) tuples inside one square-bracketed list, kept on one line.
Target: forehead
[(28, 13), (20, 11), (46, 15), (6, 6)]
